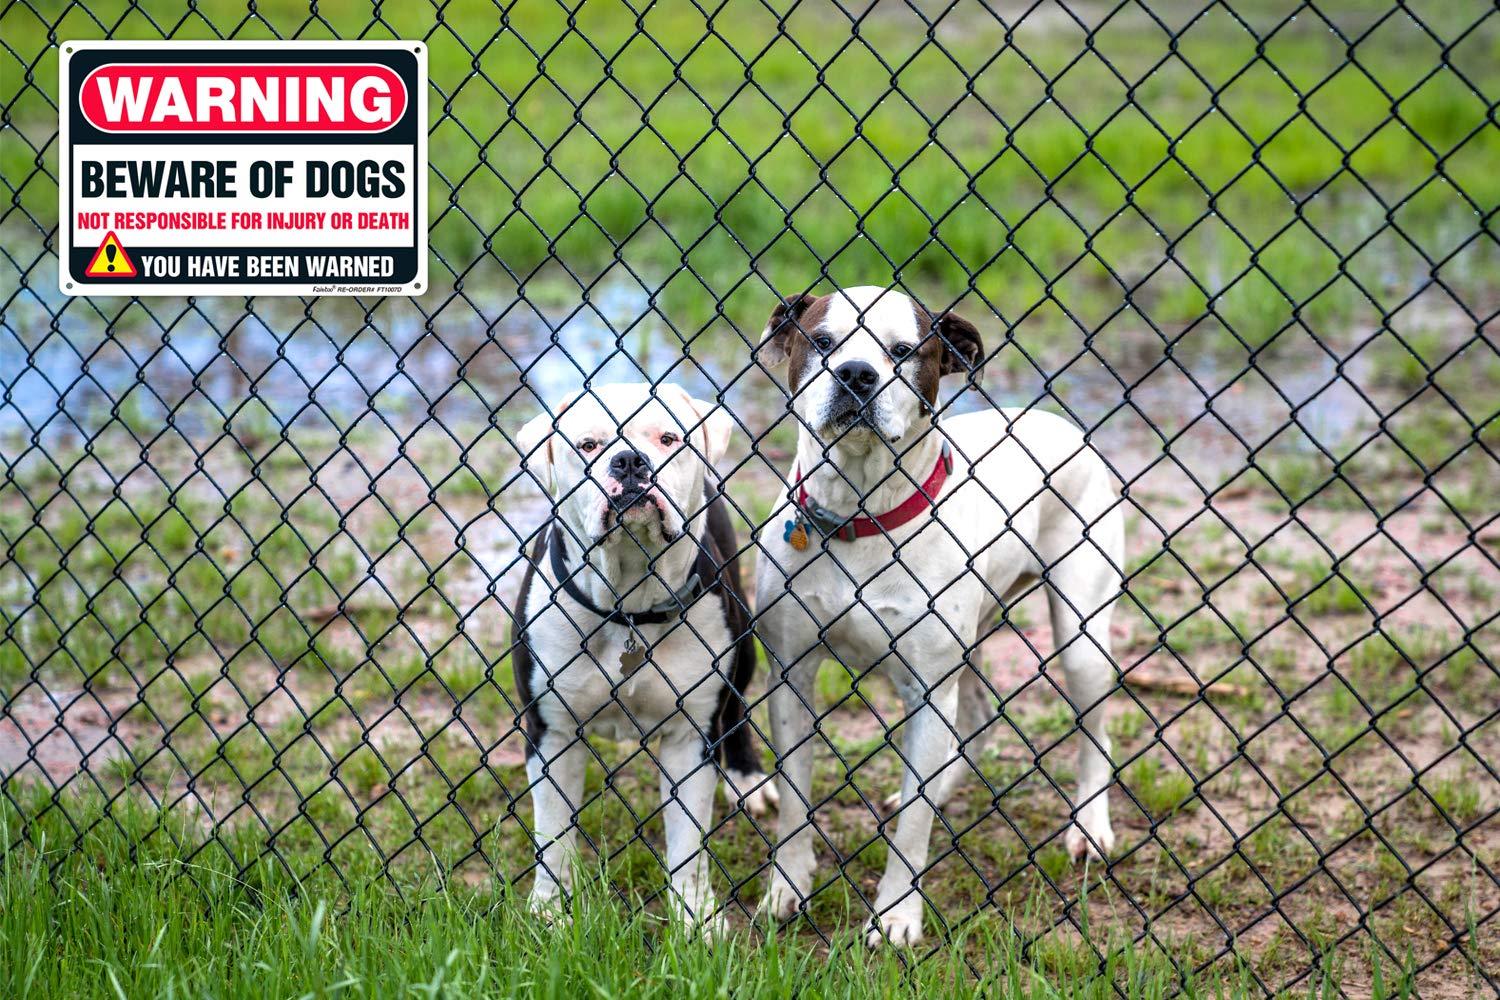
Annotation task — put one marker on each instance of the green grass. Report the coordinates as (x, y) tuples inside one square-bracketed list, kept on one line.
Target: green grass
[(111, 920), (873, 189), (1319, 590), (1016, 192), (1160, 788), (1458, 798)]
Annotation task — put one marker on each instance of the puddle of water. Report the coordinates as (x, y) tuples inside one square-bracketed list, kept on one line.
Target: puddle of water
[(472, 364), (68, 385)]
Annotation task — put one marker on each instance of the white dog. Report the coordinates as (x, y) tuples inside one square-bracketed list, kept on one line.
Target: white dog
[(902, 537), (631, 622)]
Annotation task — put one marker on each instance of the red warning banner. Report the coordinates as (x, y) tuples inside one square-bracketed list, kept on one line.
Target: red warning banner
[(246, 98)]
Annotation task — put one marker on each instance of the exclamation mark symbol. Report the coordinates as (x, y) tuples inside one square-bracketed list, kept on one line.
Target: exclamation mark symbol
[(109, 252)]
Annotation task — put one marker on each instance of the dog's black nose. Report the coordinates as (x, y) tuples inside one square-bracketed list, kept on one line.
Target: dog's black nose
[(859, 377), (627, 466)]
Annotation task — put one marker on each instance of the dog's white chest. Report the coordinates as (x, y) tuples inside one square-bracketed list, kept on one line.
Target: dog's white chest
[(861, 622), (596, 684), (641, 679)]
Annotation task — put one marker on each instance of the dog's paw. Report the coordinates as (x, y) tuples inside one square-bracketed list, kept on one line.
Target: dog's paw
[(755, 793), (890, 805), (901, 927), (1097, 848), (712, 927), (549, 907), (702, 914), (783, 900), (770, 797)]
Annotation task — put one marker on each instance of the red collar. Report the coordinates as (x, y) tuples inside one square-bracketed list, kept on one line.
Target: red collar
[(847, 530)]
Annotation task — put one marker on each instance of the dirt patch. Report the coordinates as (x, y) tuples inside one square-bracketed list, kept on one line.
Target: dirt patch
[(1305, 735), (55, 734)]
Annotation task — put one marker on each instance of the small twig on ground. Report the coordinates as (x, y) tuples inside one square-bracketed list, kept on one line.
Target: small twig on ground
[(1184, 686)]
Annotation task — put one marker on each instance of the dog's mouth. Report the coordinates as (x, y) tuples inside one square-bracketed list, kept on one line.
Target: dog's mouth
[(849, 416), (641, 513), (635, 498), (636, 504), (845, 413)]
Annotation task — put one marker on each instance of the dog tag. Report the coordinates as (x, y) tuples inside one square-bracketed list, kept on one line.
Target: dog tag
[(633, 656), (796, 534)]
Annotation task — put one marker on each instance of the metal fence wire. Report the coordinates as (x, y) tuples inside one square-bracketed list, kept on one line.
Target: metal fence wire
[(1217, 279)]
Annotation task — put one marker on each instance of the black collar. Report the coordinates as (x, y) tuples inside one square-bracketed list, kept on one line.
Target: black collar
[(705, 576)]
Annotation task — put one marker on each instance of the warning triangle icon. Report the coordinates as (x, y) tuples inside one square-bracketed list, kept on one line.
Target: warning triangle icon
[(110, 260)]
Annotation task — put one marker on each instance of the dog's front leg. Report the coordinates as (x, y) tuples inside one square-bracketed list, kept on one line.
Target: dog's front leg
[(792, 718), (556, 773), (688, 778), (928, 748)]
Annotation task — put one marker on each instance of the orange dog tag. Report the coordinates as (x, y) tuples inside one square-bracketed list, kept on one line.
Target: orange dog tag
[(796, 534)]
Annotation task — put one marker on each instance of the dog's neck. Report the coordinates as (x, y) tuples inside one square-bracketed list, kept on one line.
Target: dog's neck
[(866, 477), (625, 574)]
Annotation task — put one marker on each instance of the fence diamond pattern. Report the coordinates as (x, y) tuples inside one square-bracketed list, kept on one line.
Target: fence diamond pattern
[(261, 556)]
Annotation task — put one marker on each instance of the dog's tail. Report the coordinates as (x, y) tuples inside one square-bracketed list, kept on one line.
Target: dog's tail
[(745, 781), (732, 725)]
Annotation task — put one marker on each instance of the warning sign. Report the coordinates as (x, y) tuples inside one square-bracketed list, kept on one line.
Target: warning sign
[(245, 168), (110, 261)]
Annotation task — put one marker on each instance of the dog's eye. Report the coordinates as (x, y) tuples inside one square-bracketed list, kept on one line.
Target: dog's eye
[(823, 343), (669, 439), (899, 351), (587, 445)]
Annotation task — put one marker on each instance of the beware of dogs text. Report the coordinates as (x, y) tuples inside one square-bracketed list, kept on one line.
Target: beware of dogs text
[(297, 168)]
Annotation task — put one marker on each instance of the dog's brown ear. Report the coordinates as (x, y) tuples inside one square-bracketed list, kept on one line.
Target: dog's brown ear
[(962, 347), (776, 338)]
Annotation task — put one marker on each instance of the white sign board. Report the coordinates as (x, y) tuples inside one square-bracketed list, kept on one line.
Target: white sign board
[(243, 168)]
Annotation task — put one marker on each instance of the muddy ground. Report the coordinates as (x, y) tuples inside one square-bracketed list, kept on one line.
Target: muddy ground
[(284, 612)]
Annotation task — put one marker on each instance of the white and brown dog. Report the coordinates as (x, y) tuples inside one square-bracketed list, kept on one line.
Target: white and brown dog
[(902, 537), (631, 623)]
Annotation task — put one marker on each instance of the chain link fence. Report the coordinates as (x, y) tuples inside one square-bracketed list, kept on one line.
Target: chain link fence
[(262, 556)]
